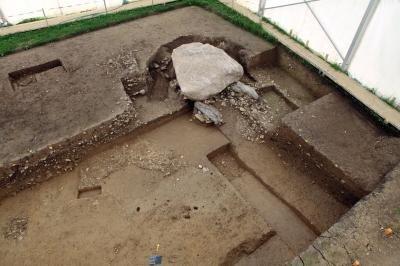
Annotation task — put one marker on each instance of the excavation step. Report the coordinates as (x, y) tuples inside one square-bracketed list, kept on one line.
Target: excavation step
[(283, 177), (291, 230), (352, 150), (286, 85), (159, 188), (366, 233)]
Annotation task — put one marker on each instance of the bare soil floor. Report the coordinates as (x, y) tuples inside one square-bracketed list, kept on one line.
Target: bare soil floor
[(163, 183), (160, 188)]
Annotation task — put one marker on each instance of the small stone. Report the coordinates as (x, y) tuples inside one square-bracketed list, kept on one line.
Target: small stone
[(200, 166), (209, 112), (240, 87), (201, 118), (356, 263), (388, 232)]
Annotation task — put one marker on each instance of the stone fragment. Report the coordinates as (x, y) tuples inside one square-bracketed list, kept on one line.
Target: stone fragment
[(209, 111), (240, 87)]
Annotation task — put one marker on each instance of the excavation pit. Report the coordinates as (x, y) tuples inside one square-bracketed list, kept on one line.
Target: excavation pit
[(117, 173), (89, 192), (25, 76)]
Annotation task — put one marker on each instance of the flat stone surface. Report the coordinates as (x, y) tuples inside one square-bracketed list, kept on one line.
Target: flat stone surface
[(360, 152), (61, 103), (359, 233), (203, 70)]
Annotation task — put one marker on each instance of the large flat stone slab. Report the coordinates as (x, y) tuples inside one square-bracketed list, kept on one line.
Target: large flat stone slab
[(203, 70), (343, 141)]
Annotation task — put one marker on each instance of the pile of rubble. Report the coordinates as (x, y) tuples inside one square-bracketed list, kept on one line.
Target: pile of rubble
[(16, 228)]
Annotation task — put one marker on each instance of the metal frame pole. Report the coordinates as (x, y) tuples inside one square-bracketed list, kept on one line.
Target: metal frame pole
[(324, 30), (60, 8), (261, 8), (292, 4), (105, 6), (362, 27), (3, 17), (45, 17)]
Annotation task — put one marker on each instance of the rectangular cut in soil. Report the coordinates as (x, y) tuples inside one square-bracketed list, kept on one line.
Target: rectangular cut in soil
[(297, 93), (353, 150), (89, 192), (25, 76)]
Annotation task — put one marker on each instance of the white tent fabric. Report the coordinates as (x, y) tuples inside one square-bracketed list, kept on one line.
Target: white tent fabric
[(377, 61)]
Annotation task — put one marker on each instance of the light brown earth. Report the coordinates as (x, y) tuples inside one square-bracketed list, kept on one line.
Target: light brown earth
[(157, 188), (202, 195), (196, 216)]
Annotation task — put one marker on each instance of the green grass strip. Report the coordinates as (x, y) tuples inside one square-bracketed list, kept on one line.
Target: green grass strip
[(24, 40)]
